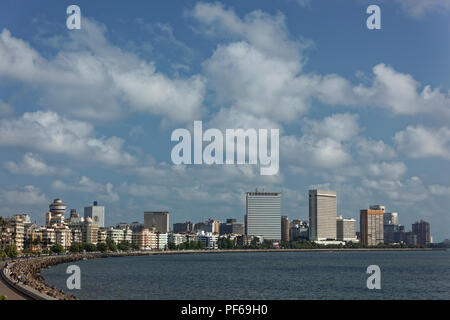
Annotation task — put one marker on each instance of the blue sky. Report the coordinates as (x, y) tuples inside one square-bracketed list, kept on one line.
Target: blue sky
[(87, 114)]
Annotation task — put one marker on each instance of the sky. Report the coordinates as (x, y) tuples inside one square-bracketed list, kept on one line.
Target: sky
[(88, 114)]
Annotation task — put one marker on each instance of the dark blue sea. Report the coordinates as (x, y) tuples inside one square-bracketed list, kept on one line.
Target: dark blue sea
[(273, 275)]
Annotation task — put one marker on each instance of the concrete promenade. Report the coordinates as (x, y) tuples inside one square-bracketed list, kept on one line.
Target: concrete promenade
[(7, 290)]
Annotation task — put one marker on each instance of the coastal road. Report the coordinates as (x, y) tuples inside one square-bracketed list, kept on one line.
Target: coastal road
[(7, 291)]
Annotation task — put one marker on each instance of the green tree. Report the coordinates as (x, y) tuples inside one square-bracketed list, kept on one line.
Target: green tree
[(112, 246), (89, 247), (2, 297), (171, 246), (102, 247), (2, 254), (11, 251), (76, 247), (57, 248), (124, 246)]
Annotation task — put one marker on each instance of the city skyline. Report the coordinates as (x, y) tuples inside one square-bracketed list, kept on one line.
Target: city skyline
[(362, 112), (267, 227)]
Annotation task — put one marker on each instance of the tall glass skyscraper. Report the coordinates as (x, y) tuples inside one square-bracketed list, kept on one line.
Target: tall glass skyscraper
[(263, 215)]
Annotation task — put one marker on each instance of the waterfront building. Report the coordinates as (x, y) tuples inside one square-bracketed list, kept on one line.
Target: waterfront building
[(115, 235), (157, 219), (422, 230), (63, 237), (102, 235), (30, 234), (390, 226), (371, 226), (48, 238), (322, 215), (89, 231), (77, 235), (96, 213), (346, 229), (210, 240), (176, 238), (127, 235), (191, 237), (183, 227), (12, 232), (285, 228), (162, 241), (263, 214), (145, 239)]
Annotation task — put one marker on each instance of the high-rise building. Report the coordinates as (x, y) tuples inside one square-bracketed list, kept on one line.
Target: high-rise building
[(183, 227), (96, 213), (231, 227), (210, 225), (284, 228), (422, 230), (390, 218), (345, 229), (158, 220), (371, 226), (263, 214), (322, 215), (56, 215), (390, 226)]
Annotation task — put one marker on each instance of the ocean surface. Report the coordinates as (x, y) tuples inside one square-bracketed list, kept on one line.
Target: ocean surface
[(271, 275)]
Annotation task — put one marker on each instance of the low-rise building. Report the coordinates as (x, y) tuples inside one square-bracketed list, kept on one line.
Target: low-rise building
[(115, 235), (145, 239), (209, 239), (162, 241), (12, 232), (176, 238)]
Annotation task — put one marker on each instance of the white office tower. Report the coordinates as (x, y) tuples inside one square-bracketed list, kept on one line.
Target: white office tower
[(96, 213), (263, 214), (322, 215)]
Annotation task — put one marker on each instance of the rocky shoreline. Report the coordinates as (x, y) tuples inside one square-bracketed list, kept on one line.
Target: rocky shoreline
[(27, 271)]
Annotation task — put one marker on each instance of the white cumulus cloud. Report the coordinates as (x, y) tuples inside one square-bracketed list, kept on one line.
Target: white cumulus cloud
[(49, 132)]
